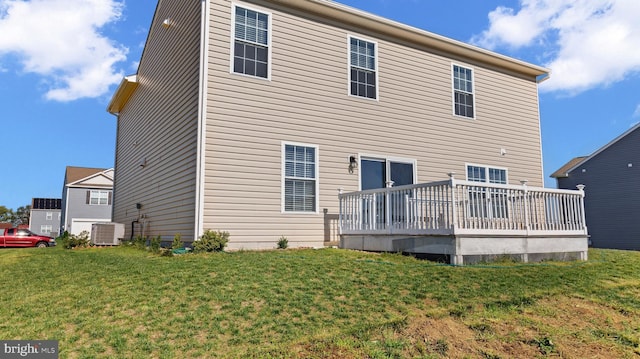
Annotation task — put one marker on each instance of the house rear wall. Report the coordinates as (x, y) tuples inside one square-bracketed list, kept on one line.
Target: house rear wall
[(307, 101)]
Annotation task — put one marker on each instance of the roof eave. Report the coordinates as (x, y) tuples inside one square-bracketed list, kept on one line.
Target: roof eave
[(122, 95), (333, 10)]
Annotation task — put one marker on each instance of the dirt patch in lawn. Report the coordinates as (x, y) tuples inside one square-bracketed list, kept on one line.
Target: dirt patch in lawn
[(557, 327)]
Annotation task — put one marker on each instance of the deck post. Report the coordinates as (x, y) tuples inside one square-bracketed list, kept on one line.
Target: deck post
[(454, 205), (340, 190), (580, 188), (527, 221), (387, 207)]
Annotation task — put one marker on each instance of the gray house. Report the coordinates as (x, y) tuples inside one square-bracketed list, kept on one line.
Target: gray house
[(45, 216), (86, 198), (612, 194)]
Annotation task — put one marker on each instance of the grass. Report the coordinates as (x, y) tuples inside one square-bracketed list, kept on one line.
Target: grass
[(127, 303)]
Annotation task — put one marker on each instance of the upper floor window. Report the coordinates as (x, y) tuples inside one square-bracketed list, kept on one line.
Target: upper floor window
[(99, 198), (363, 70), (463, 99), (251, 42), (300, 178), (49, 216)]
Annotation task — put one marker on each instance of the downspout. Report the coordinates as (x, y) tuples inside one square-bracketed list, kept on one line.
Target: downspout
[(133, 228), (66, 209), (539, 80), (202, 118)]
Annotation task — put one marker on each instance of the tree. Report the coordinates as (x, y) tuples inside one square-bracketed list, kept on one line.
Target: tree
[(22, 215), (6, 215)]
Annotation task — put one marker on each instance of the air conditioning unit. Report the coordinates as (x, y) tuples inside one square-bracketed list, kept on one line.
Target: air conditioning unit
[(107, 234)]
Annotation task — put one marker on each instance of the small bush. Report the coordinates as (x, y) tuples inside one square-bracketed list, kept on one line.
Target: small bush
[(155, 244), (70, 241), (140, 242), (211, 241), (177, 242), (283, 243)]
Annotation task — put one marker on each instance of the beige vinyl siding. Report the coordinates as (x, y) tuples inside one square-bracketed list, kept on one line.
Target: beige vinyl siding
[(307, 101), (159, 123)]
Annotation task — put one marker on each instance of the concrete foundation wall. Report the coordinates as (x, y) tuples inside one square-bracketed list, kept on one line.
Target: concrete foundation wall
[(469, 249)]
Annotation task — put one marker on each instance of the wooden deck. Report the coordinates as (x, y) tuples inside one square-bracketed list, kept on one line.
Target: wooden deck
[(466, 221)]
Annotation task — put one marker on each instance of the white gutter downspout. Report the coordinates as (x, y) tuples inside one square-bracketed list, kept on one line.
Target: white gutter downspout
[(202, 118), (539, 80)]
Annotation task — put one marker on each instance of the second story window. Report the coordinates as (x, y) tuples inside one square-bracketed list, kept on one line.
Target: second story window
[(363, 68), (463, 101), (49, 216), (251, 43), (98, 198)]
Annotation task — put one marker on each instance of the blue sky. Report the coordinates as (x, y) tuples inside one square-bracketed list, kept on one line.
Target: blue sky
[(61, 60)]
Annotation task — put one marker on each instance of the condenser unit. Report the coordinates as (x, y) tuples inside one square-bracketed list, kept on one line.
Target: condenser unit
[(107, 234)]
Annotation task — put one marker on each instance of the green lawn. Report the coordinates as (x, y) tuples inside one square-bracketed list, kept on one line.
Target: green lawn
[(330, 303)]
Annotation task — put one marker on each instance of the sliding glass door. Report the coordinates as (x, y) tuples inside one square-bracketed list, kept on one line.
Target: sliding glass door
[(377, 173)]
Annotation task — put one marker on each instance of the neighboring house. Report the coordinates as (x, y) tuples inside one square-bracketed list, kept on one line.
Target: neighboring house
[(248, 116), (86, 198), (45, 216), (612, 193)]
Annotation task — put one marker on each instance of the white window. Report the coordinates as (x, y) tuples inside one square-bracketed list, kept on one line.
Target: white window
[(363, 74), (49, 216), (99, 198), (486, 174), (463, 98), (251, 39), (300, 178), (487, 202), (46, 229)]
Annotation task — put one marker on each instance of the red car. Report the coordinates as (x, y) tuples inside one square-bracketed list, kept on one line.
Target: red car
[(17, 237)]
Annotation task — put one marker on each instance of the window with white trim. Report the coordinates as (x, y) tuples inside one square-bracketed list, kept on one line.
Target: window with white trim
[(463, 98), (49, 216), (251, 42), (98, 198), (46, 229), (300, 178), (363, 68), (487, 202)]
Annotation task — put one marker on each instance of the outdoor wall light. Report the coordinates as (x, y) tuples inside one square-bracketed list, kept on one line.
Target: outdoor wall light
[(353, 163), (167, 23), (138, 205)]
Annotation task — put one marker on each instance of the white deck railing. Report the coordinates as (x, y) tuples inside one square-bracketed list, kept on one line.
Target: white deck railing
[(463, 207)]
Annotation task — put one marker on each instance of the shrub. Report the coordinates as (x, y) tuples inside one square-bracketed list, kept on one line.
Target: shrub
[(177, 242), (70, 241), (211, 241), (140, 242), (283, 243), (155, 244)]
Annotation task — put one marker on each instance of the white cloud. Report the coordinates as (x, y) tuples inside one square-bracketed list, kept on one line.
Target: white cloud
[(587, 43), (60, 40)]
